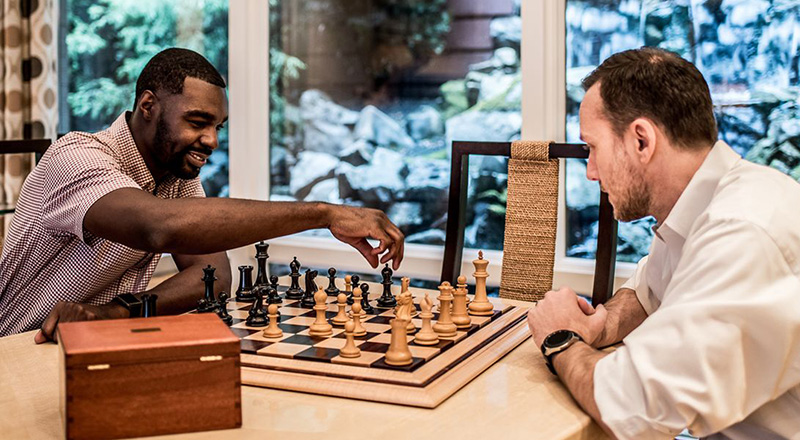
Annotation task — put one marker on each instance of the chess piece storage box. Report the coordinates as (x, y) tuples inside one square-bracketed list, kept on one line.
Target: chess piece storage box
[(149, 376)]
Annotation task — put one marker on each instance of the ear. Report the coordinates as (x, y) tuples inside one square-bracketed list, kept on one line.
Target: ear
[(644, 135), (148, 105)]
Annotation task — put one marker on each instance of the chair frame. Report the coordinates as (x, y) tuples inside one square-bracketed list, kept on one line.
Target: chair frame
[(456, 213), (38, 146)]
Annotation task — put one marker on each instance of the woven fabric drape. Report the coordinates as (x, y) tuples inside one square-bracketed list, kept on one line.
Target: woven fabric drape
[(28, 92), (531, 214)]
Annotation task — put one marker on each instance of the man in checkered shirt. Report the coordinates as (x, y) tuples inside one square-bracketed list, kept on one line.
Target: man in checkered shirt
[(99, 209)]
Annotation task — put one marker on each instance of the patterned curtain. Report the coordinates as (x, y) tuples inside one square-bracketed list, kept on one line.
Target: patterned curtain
[(28, 92)]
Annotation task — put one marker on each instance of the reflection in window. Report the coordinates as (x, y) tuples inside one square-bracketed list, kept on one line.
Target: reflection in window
[(108, 44), (748, 52), (366, 97)]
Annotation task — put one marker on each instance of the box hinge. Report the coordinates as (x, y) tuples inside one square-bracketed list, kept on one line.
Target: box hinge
[(98, 367), (210, 358)]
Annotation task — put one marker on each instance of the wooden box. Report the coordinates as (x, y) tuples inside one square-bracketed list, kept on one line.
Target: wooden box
[(149, 376)]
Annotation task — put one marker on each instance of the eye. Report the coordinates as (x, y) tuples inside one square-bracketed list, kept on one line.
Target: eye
[(197, 124)]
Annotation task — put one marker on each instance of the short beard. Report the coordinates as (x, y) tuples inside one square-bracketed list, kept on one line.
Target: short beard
[(636, 203), (176, 164)]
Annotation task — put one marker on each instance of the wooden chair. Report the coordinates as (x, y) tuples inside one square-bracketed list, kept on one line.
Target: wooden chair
[(456, 215)]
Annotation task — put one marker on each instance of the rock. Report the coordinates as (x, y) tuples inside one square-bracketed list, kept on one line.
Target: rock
[(406, 215), (634, 239), (430, 236), (279, 166), (473, 125), (315, 105), (376, 183), (454, 94), (504, 58), (342, 173), (581, 193), (506, 31), (428, 181), (325, 191), (424, 123), (381, 130), (499, 84), (358, 153), (312, 167), (486, 229), (325, 137)]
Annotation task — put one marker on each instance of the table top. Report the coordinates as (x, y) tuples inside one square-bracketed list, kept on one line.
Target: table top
[(515, 398)]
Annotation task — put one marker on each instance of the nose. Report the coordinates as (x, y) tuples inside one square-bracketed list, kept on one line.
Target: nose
[(210, 139), (591, 168)]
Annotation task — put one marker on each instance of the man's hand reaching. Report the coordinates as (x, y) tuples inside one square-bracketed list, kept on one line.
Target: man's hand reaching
[(69, 311), (354, 226)]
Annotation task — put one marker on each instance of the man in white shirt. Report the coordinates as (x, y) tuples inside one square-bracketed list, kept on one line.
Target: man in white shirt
[(710, 321)]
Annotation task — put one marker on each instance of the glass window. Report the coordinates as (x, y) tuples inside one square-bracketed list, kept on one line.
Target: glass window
[(107, 44), (366, 97), (748, 53)]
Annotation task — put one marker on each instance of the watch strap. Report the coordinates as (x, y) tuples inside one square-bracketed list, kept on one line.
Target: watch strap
[(130, 302), (550, 351)]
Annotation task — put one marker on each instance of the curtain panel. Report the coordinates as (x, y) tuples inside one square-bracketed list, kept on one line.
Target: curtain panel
[(28, 92)]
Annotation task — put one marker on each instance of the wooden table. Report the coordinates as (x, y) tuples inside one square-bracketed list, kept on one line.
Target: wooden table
[(516, 398)]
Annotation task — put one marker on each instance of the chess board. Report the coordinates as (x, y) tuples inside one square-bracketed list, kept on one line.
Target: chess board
[(299, 362)]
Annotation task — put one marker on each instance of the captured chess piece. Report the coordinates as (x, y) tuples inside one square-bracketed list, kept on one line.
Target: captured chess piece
[(294, 291), (149, 305), (311, 289), (341, 316), (398, 353), (320, 327), (349, 350), (261, 257), (460, 317), (387, 300), (273, 283), (272, 331), (222, 309), (426, 335), (245, 291), (355, 279), (257, 317), (332, 290), (209, 301), (365, 305), (444, 327), (480, 305)]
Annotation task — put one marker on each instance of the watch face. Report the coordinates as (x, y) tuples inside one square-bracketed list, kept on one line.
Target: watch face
[(558, 338)]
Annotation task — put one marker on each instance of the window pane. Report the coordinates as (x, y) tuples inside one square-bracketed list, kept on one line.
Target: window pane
[(366, 97), (748, 53), (108, 44)]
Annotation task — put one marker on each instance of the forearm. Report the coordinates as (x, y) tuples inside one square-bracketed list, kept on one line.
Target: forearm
[(625, 313), (180, 293), (575, 367)]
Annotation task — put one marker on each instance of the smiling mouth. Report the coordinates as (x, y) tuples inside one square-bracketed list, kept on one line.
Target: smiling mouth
[(197, 159)]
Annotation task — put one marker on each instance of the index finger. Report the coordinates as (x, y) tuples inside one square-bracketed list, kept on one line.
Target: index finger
[(48, 327)]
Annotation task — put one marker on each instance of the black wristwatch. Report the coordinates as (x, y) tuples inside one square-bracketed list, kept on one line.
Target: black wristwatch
[(130, 302), (557, 342)]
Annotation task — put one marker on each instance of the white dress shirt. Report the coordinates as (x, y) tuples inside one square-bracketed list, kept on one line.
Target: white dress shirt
[(719, 352)]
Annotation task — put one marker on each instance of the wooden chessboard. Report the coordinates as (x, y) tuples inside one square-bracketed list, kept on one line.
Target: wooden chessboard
[(298, 362)]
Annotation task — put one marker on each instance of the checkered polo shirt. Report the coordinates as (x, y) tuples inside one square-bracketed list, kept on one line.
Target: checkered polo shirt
[(48, 256)]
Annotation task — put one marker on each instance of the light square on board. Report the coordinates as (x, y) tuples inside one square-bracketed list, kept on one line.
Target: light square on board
[(283, 349), (365, 360)]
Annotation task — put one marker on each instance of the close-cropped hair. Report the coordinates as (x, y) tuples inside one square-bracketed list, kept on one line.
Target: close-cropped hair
[(168, 69), (659, 85)]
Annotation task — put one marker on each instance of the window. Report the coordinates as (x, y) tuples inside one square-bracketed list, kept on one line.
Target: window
[(748, 53), (106, 46)]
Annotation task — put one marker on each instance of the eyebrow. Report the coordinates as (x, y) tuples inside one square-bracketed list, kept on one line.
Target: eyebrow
[(202, 114)]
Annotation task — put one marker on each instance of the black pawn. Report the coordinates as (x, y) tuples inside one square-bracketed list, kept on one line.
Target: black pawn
[(257, 317), (222, 310), (274, 297), (261, 258), (245, 291), (149, 305), (332, 290), (294, 291), (209, 301), (387, 300), (311, 288), (365, 305), (354, 280)]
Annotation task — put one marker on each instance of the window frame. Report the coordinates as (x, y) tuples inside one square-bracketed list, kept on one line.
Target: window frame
[(544, 40)]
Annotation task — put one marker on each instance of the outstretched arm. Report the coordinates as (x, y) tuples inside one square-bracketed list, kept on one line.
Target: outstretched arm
[(209, 225)]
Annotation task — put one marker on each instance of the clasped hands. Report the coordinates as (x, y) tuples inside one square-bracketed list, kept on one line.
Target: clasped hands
[(563, 310)]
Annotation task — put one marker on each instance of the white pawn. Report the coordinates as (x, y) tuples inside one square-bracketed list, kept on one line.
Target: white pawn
[(460, 317), (320, 327), (349, 350), (358, 329), (341, 317), (272, 331), (426, 335)]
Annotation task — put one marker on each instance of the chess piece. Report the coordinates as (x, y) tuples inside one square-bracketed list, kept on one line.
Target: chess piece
[(272, 331), (294, 291), (349, 350), (405, 283), (358, 330), (460, 317), (480, 305), (149, 305), (210, 303), (444, 327), (387, 301), (332, 290), (245, 291), (320, 327), (261, 258), (311, 289), (222, 309), (365, 305), (426, 335), (273, 282), (341, 317), (355, 279), (405, 304), (398, 353), (257, 317)]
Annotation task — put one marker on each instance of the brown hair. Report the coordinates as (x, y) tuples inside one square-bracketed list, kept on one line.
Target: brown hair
[(659, 85)]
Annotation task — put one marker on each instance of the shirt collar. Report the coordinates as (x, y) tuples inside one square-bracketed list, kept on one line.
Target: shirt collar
[(698, 193), (120, 132)]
